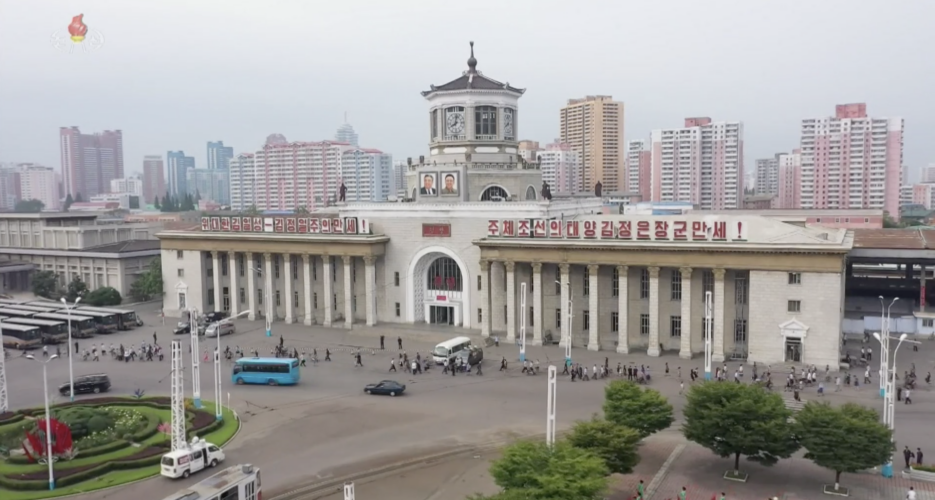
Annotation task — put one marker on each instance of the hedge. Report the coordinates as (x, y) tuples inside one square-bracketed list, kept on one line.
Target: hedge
[(85, 475), (156, 403), (11, 417), (924, 468), (117, 444)]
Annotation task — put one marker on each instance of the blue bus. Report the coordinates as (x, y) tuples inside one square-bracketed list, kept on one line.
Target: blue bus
[(268, 371)]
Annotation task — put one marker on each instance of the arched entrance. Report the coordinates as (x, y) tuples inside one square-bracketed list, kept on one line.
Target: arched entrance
[(438, 288)]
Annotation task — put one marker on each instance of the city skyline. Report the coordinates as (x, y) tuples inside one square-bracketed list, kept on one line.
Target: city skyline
[(390, 117)]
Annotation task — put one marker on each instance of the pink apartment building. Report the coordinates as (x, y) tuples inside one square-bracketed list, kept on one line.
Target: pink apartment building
[(851, 161), (90, 161), (639, 169), (789, 180), (154, 178), (701, 163), (561, 167)]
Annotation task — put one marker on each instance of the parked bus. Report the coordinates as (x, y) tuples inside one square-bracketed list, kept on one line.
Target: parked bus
[(82, 327), (106, 322), (20, 336), (51, 304), (269, 371), (10, 302), (17, 313), (26, 307), (238, 482), (53, 332), (126, 319)]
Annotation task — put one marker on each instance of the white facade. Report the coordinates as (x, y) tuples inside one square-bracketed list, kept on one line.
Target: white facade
[(561, 167), (130, 185), (638, 167), (928, 174), (767, 176), (40, 183), (367, 174), (122, 198), (399, 179)]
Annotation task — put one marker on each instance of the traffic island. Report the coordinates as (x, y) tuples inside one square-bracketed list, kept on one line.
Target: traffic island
[(736, 475), (98, 443), (836, 490)]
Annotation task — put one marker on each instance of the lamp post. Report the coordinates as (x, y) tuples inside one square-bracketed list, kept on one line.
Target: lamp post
[(550, 409), (708, 352), (218, 407), (522, 327), (567, 326), (884, 346), (266, 299), (71, 355), (4, 401), (889, 398), (48, 416), (196, 366)]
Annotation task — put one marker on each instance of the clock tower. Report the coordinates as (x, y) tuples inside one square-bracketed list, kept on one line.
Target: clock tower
[(473, 146)]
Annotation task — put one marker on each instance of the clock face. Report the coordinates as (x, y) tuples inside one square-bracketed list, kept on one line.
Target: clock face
[(508, 123), (455, 122)]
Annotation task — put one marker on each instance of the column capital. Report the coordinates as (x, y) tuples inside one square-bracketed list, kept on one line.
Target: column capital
[(484, 265), (564, 268), (306, 257), (325, 256), (653, 271), (369, 260), (686, 272), (510, 266), (231, 253), (622, 270), (719, 273), (347, 259), (249, 255), (214, 254), (593, 268), (267, 255), (537, 267)]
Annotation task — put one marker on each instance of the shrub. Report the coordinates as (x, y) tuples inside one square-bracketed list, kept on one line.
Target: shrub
[(924, 468), (144, 458)]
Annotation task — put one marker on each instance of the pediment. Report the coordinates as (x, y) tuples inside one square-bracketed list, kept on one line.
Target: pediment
[(793, 328)]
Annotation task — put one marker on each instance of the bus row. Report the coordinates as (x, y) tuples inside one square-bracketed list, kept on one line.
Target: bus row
[(27, 325)]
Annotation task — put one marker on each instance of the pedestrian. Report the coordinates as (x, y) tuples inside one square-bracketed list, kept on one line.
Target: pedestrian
[(479, 372), (639, 490), (154, 338), (908, 455), (683, 493), (907, 398), (399, 343), (837, 384), (392, 364), (359, 362), (911, 494), (76, 347), (281, 340), (681, 387), (381, 342), (415, 367), (723, 496), (918, 456), (667, 368), (327, 354)]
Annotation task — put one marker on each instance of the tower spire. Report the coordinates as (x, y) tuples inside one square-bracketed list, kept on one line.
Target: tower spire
[(472, 62)]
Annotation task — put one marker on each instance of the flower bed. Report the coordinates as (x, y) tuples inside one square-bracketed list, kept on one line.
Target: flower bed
[(9, 417), (63, 473)]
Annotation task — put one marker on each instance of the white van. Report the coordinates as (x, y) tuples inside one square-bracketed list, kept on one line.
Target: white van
[(198, 455), (224, 328), (449, 348)]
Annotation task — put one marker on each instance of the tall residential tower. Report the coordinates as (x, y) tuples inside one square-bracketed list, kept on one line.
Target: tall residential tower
[(90, 161), (593, 127)]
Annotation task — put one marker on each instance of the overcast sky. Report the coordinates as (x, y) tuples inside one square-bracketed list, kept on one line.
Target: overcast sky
[(173, 75)]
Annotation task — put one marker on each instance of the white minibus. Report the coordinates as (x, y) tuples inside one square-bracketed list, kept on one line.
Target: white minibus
[(449, 348)]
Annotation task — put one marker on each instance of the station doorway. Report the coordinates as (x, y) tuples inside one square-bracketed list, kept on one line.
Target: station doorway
[(441, 315)]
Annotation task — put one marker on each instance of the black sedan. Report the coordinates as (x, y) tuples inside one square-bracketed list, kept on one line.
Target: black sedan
[(385, 388), (185, 329)]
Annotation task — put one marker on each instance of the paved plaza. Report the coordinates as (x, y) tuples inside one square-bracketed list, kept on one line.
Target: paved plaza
[(326, 427)]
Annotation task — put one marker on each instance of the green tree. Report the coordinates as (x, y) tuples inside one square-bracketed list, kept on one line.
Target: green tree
[(641, 409), (103, 297), (45, 284), (68, 201), (616, 444), (739, 419), (76, 288), (849, 438), (28, 206), (79, 198), (533, 471), (301, 211), (252, 210), (149, 284), (156, 204)]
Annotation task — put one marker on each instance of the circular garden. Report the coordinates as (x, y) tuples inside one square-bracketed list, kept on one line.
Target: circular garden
[(97, 443)]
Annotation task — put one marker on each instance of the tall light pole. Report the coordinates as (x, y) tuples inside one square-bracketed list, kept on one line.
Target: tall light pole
[(177, 397), (48, 416), (567, 326), (708, 351), (218, 413), (522, 327), (71, 355), (4, 402), (196, 367), (267, 300), (550, 409), (884, 345), (348, 491), (889, 398)]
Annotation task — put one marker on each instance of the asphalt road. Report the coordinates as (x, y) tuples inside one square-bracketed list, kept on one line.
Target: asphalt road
[(326, 426)]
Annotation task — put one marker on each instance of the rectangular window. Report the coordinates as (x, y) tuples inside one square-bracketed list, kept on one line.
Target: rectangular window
[(242, 294), (704, 327), (334, 301), (707, 282), (181, 273), (644, 324), (182, 302), (586, 286), (278, 299), (532, 286), (295, 266), (675, 326), (479, 282), (179, 254), (334, 271), (210, 272), (675, 291), (311, 262), (741, 290), (928, 323), (259, 296), (644, 284), (354, 303), (224, 265), (353, 272), (295, 299), (240, 265), (480, 315), (315, 300), (615, 284), (795, 278), (210, 296), (795, 306), (505, 316), (740, 331), (396, 278), (586, 320), (398, 309), (558, 282), (558, 318), (615, 322), (276, 266)]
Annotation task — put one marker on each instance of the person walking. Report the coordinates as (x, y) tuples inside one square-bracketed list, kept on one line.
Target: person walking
[(381, 343), (399, 343), (392, 364), (908, 400), (908, 455), (154, 338), (639, 490), (918, 456), (911, 494), (683, 493), (359, 362), (327, 354)]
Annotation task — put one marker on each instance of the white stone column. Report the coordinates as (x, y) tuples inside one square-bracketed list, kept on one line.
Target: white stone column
[(510, 301), (537, 303), (653, 347), (290, 307), (235, 289), (685, 343), (717, 344), (216, 263), (594, 342), (497, 293), (567, 331), (268, 300), (348, 291), (328, 289), (370, 275), (623, 309), (251, 285), (307, 275), (485, 297)]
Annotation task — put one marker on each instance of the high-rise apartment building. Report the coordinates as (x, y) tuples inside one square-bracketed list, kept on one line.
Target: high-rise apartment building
[(219, 155), (639, 169), (40, 183), (851, 160), (346, 134), (178, 166), (90, 161), (701, 163), (10, 187), (129, 185), (788, 180), (287, 175), (529, 150), (209, 184), (561, 167), (767, 176), (154, 178), (593, 127), (928, 174), (399, 178)]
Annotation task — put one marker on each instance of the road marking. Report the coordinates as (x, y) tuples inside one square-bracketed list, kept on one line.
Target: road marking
[(663, 471)]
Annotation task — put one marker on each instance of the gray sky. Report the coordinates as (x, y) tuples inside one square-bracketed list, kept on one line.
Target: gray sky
[(174, 75)]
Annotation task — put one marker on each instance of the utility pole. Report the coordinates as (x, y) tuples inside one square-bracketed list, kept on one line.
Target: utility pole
[(708, 351), (178, 398), (522, 327), (550, 410), (196, 369)]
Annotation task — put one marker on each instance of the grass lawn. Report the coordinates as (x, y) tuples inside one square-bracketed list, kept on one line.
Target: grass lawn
[(219, 437)]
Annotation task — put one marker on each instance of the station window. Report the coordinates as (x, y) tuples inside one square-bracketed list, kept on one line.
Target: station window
[(586, 320), (675, 326), (795, 278), (396, 278), (615, 284), (480, 314), (644, 284), (558, 318), (795, 306), (644, 324), (614, 322), (586, 286), (928, 323), (181, 273), (180, 254)]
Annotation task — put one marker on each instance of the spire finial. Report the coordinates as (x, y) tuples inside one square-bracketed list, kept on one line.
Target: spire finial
[(472, 62)]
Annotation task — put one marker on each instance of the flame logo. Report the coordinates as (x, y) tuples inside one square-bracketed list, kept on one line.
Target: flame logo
[(77, 29)]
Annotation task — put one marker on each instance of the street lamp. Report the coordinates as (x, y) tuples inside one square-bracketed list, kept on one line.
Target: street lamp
[(708, 324), (196, 366), (889, 398), (48, 416), (71, 367), (550, 409), (884, 346), (522, 328), (567, 326), (218, 413), (266, 298), (4, 402)]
